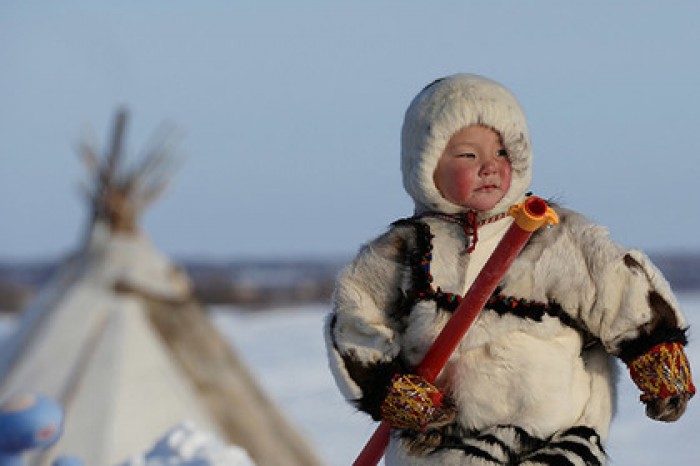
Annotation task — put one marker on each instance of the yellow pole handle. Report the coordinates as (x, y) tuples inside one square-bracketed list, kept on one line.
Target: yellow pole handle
[(533, 213)]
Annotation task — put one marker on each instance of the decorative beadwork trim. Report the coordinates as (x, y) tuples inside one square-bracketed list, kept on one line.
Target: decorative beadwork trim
[(463, 219), (529, 309), (502, 304), (662, 372)]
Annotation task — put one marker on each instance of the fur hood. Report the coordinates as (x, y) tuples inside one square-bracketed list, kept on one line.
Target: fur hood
[(438, 112)]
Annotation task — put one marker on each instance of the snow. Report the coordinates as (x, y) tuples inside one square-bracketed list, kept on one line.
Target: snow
[(187, 445), (285, 349)]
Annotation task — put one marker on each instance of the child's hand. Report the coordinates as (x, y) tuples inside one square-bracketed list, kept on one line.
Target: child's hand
[(668, 409), (414, 403)]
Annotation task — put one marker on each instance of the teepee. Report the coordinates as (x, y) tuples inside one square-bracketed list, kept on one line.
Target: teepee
[(118, 339)]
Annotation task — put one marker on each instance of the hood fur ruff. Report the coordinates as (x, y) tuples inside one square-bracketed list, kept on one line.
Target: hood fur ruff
[(437, 113)]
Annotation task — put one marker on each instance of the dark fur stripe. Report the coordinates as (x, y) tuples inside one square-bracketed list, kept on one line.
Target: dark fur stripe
[(527, 442), (585, 433), (551, 459), (580, 450), (470, 450), (492, 440), (581, 431)]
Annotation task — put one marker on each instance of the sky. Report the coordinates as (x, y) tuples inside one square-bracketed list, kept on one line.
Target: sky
[(289, 113)]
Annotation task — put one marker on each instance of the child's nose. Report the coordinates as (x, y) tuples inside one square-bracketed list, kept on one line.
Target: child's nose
[(488, 166)]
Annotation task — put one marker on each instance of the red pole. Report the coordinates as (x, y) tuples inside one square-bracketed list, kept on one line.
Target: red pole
[(529, 216)]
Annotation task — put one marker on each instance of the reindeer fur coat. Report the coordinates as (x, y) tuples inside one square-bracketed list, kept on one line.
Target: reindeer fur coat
[(533, 380)]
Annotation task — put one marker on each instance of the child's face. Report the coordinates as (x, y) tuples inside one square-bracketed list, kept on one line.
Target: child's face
[(473, 170)]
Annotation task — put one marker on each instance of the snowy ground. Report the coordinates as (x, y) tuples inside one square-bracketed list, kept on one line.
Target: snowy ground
[(285, 349)]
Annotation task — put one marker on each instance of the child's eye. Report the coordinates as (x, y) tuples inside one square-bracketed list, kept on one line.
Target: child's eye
[(502, 153), (469, 155)]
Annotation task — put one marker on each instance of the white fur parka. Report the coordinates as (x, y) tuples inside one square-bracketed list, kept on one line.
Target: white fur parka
[(532, 381)]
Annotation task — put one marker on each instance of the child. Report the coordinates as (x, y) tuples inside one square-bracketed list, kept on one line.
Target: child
[(532, 382)]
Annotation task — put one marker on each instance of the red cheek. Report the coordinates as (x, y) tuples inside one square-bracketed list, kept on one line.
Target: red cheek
[(462, 187), (463, 181)]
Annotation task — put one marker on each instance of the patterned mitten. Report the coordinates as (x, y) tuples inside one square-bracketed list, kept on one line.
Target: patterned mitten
[(663, 376), (414, 403)]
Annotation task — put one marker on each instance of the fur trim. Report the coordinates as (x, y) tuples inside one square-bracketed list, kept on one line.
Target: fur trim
[(442, 109)]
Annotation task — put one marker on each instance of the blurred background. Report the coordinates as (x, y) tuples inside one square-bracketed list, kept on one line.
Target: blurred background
[(287, 118), (290, 112)]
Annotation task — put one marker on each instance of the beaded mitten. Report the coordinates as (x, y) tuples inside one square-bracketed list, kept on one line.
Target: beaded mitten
[(414, 403), (662, 372)]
